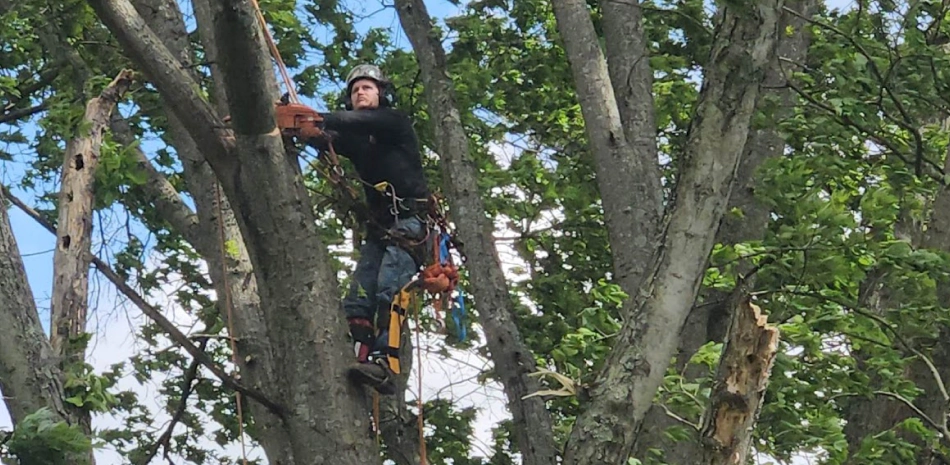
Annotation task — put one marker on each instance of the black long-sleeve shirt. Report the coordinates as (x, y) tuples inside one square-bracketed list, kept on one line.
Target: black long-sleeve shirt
[(383, 146)]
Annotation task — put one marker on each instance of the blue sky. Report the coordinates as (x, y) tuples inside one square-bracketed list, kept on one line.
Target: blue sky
[(36, 244)]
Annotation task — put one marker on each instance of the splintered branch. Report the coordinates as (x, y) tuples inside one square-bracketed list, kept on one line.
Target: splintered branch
[(739, 389), (74, 229), (150, 311)]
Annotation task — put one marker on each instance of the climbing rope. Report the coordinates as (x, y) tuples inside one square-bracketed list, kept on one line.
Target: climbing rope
[(288, 83), (439, 278)]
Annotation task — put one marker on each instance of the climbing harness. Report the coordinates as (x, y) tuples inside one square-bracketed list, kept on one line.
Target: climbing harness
[(440, 278)]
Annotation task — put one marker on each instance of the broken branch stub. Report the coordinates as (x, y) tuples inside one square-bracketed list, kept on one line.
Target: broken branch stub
[(74, 227), (739, 389)]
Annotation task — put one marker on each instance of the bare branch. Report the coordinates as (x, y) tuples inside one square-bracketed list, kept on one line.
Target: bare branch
[(942, 428), (22, 113), (178, 90), (187, 387), (173, 332)]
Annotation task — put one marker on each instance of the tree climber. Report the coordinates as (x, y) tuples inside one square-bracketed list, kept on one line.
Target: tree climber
[(384, 149)]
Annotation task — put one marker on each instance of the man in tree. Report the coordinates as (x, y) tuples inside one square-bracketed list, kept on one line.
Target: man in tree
[(384, 149)]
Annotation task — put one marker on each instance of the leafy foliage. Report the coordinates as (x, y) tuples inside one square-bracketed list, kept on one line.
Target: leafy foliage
[(848, 265), (42, 438)]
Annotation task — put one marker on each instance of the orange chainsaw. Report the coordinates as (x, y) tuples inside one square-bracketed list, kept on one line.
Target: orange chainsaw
[(295, 120), (298, 120)]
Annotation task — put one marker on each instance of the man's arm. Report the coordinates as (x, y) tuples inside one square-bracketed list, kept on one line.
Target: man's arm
[(385, 123)]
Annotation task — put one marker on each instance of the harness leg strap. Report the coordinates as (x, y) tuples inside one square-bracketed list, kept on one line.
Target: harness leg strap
[(397, 317)]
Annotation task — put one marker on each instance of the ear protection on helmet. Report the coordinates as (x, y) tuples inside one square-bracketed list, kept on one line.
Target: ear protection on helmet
[(366, 71), (386, 96)]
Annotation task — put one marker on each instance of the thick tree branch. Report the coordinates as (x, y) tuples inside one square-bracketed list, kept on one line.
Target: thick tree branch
[(512, 358), (179, 91), (155, 315), (298, 286), (627, 174), (628, 63), (161, 193), (231, 272), (241, 49), (19, 113), (743, 46)]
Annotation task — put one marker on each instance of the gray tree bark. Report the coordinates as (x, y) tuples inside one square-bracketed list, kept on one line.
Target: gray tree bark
[(231, 274), (304, 322), (30, 377), (623, 142), (709, 318), (744, 44), (512, 359), (628, 64)]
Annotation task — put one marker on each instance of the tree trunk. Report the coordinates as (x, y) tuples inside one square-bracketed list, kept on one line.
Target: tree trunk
[(744, 44), (709, 317), (627, 174), (29, 374), (868, 417), (231, 273), (739, 389), (512, 359), (303, 323), (399, 428)]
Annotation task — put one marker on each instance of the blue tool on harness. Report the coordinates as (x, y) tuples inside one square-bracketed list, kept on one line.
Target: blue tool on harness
[(458, 308)]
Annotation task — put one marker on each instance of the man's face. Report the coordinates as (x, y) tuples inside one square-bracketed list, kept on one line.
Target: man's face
[(365, 94)]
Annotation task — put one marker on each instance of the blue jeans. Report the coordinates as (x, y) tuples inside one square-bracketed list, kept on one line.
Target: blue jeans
[(382, 270)]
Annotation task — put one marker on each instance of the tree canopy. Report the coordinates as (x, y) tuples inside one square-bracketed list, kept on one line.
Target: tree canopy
[(629, 181)]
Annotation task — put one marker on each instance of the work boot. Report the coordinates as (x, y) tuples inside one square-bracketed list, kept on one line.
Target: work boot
[(375, 374)]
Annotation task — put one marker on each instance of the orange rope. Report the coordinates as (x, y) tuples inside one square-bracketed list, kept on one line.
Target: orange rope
[(291, 91), (227, 303)]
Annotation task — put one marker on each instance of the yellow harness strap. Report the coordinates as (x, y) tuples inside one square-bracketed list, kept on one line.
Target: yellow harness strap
[(397, 316)]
